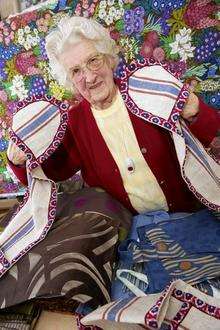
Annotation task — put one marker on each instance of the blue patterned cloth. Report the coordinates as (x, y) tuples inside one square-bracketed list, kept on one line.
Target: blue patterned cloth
[(166, 247)]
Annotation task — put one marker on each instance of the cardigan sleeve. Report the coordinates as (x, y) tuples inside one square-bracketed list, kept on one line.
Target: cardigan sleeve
[(206, 124), (61, 165), (19, 171), (64, 162)]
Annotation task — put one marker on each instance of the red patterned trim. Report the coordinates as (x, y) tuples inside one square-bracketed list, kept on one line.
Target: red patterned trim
[(180, 316), (4, 263), (189, 300), (169, 124), (151, 317), (63, 108)]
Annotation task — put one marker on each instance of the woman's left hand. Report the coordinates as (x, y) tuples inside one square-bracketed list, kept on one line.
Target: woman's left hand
[(191, 107)]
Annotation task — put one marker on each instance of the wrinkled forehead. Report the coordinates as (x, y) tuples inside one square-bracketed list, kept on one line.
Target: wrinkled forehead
[(77, 53)]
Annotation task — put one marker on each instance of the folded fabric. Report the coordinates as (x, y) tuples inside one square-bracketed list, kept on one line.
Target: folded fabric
[(152, 91), (73, 264), (179, 306), (173, 247), (38, 128)]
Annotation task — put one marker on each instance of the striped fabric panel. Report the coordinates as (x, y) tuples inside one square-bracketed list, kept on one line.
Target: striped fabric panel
[(116, 308), (31, 115), (206, 272), (153, 87), (23, 231), (125, 308), (174, 251), (37, 121), (32, 136), (161, 81), (198, 153), (205, 266)]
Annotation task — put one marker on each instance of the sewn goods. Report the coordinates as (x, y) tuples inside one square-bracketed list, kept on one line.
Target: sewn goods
[(152, 91), (38, 131), (167, 248), (179, 306)]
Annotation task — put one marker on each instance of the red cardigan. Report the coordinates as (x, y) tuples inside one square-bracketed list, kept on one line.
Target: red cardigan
[(84, 148)]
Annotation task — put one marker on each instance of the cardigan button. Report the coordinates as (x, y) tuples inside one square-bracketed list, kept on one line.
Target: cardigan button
[(116, 170), (162, 182), (143, 150)]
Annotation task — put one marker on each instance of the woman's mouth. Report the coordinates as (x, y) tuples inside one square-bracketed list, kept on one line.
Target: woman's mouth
[(96, 85)]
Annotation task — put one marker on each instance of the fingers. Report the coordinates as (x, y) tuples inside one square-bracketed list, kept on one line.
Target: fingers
[(15, 155), (192, 85)]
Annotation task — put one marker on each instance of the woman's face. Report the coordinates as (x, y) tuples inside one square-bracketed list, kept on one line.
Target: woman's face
[(96, 86)]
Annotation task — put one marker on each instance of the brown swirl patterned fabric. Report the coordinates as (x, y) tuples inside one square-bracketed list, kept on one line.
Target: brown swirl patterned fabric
[(74, 262)]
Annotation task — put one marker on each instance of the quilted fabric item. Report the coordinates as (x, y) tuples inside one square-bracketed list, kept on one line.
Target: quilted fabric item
[(178, 306), (147, 86), (38, 128)]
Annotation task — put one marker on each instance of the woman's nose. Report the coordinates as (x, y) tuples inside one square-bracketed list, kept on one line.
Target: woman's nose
[(89, 75)]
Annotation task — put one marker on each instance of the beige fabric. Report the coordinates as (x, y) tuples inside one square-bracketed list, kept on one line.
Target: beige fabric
[(36, 207), (56, 321), (139, 310), (200, 171), (190, 163), (117, 130), (37, 129)]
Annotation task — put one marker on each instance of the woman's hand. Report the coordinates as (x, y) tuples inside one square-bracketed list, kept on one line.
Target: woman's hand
[(191, 108), (16, 155)]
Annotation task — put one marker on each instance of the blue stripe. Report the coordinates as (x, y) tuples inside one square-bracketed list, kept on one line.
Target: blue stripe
[(116, 308), (189, 142), (143, 84), (23, 232), (37, 122)]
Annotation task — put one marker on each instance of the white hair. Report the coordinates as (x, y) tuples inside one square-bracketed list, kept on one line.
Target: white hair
[(72, 30)]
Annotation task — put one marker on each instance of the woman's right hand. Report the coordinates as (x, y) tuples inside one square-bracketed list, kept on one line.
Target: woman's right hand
[(16, 155)]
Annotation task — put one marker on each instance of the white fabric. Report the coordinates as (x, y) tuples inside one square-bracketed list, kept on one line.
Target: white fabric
[(201, 311), (38, 128), (146, 91)]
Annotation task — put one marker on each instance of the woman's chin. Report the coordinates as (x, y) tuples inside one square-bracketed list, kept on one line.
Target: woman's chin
[(99, 97)]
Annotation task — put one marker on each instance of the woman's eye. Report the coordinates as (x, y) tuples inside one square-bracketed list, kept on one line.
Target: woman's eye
[(93, 60), (75, 71)]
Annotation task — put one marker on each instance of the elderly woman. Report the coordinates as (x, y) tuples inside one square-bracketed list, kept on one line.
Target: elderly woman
[(133, 160), (144, 165)]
